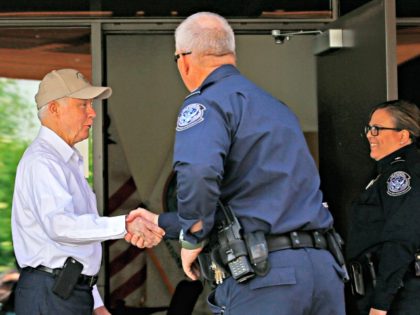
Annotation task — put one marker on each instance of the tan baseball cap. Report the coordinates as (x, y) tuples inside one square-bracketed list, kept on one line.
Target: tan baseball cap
[(68, 83)]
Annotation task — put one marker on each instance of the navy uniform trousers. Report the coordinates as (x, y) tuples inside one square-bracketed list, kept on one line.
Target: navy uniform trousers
[(34, 296), (301, 282)]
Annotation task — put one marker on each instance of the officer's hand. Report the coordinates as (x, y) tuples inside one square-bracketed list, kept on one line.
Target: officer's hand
[(374, 311), (143, 233), (188, 257)]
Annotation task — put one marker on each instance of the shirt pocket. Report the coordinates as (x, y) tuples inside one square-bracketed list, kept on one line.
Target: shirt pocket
[(277, 276)]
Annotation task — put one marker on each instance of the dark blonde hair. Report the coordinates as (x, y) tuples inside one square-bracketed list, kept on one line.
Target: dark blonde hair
[(406, 116)]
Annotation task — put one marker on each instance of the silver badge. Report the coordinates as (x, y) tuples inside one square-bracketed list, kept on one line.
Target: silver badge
[(398, 183), (191, 115)]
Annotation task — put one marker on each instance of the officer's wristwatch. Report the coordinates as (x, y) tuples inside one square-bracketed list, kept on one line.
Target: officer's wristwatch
[(187, 245)]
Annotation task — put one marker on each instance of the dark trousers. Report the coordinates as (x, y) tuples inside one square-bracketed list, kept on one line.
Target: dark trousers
[(301, 282), (406, 301), (34, 296)]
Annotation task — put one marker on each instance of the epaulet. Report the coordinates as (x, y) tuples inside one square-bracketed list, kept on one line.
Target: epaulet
[(397, 160), (197, 92)]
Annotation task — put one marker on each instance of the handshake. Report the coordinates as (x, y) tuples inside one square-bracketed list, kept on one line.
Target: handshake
[(142, 228)]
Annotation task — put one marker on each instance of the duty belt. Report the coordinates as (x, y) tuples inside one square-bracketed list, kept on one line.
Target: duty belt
[(295, 240), (246, 264), (83, 279)]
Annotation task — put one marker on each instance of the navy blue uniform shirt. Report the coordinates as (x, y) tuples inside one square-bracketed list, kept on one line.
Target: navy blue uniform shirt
[(386, 223), (238, 143)]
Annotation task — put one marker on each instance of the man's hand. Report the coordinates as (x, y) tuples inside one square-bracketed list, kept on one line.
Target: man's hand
[(141, 229), (146, 214), (188, 257), (101, 310), (374, 311)]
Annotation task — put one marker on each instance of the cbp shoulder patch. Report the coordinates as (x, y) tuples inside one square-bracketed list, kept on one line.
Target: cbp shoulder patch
[(191, 115), (398, 183)]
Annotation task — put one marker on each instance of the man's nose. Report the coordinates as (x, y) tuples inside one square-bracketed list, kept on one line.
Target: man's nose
[(91, 111)]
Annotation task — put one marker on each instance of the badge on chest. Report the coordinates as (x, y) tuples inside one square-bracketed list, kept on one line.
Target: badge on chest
[(398, 183)]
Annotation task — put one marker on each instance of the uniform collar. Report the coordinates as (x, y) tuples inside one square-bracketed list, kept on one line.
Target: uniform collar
[(396, 156), (59, 145), (217, 75)]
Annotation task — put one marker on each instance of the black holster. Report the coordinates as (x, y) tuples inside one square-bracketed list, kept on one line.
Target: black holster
[(363, 272), (335, 246), (357, 282), (238, 255)]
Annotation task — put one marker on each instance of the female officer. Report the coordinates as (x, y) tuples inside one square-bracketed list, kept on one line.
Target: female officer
[(385, 227)]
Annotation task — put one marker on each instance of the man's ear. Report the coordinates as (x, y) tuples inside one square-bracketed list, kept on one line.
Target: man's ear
[(404, 136), (53, 107)]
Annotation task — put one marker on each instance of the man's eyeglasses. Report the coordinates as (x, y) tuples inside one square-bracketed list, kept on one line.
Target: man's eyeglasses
[(374, 130), (177, 56)]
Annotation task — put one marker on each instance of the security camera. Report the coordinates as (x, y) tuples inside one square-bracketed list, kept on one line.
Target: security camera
[(279, 38)]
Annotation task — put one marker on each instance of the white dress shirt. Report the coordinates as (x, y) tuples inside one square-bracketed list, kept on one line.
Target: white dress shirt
[(54, 212)]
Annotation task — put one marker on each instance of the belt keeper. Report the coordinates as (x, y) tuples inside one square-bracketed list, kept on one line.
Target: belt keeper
[(92, 281), (317, 239), (294, 237)]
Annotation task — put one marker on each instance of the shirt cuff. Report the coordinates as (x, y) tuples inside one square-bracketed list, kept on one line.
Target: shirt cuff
[(97, 300), (170, 223), (382, 301), (117, 226)]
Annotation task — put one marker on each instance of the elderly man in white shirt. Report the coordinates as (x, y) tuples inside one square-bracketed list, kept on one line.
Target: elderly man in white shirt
[(54, 213)]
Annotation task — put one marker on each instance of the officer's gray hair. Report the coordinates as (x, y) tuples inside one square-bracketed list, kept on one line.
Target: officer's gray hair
[(205, 33), (406, 116)]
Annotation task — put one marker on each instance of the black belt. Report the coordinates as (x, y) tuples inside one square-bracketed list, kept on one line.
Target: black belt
[(296, 239), (83, 279)]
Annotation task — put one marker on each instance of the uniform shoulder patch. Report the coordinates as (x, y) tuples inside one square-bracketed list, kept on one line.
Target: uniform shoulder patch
[(190, 116), (398, 183)]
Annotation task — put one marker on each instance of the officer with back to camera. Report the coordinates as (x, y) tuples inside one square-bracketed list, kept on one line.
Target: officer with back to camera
[(237, 144)]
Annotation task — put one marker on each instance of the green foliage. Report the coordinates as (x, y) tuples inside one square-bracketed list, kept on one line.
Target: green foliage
[(10, 153), (17, 116), (17, 121)]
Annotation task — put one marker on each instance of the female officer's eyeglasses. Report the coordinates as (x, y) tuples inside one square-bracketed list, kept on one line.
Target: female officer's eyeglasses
[(177, 56), (374, 130)]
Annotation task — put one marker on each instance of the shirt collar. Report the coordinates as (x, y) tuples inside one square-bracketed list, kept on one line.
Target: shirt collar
[(218, 74), (398, 155), (65, 151)]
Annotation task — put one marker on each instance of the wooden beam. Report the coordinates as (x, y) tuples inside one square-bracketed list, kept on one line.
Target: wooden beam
[(296, 14), (408, 44), (34, 64), (407, 52), (57, 13)]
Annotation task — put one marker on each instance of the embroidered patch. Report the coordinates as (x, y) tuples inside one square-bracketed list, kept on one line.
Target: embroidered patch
[(191, 115), (398, 183)]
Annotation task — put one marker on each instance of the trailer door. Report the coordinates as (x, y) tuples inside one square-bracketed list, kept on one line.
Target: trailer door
[(350, 80)]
